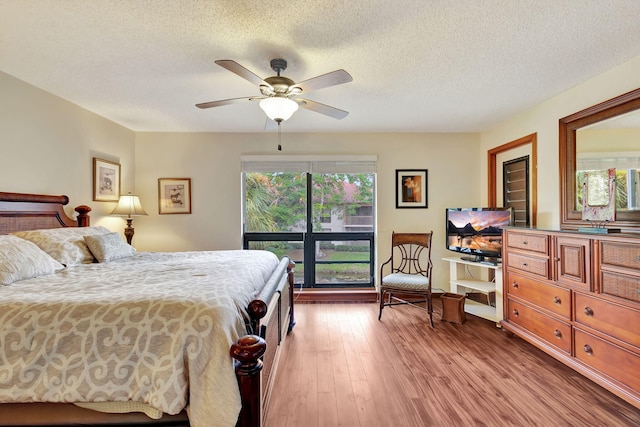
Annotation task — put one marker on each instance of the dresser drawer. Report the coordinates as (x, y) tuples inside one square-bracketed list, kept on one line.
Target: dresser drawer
[(529, 242), (620, 254), (608, 358), (549, 297), (550, 329), (612, 319), (537, 266), (620, 285)]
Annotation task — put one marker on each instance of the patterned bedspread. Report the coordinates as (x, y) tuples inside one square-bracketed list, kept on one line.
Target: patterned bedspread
[(154, 328)]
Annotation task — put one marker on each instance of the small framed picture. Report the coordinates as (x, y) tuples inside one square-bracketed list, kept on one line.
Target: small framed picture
[(174, 196), (106, 181), (411, 188)]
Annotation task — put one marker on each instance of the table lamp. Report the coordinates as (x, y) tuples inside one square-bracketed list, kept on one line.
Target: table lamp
[(129, 206)]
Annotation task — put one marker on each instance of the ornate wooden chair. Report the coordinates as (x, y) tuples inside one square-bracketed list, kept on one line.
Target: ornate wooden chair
[(408, 271)]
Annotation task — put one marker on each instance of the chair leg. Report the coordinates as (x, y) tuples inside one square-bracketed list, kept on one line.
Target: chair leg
[(381, 303), (430, 309)]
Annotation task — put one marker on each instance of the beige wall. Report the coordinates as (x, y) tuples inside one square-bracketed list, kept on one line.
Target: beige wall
[(212, 161), (608, 140), (47, 146), (543, 120)]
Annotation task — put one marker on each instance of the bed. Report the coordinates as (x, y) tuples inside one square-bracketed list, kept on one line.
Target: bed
[(94, 333)]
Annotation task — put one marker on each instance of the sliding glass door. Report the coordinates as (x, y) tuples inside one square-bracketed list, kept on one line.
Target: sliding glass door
[(324, 221)]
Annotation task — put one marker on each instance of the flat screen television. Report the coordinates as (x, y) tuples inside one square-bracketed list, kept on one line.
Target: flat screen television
[(477, 232)]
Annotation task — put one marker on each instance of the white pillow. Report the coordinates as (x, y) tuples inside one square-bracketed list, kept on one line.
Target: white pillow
[(108, 247), (65, 245), (21, 259)]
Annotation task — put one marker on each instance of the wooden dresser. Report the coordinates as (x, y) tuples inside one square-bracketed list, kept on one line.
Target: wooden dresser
[(577, 297)]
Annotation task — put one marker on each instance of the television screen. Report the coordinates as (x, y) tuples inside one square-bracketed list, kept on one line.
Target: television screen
[(477, 231)]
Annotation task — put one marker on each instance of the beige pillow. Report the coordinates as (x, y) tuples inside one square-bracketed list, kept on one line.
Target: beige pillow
[(65, 245), (108, 247), (21, 259)]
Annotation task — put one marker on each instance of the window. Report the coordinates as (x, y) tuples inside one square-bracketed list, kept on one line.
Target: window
[(516, 189), (325, 216), (319, 212)]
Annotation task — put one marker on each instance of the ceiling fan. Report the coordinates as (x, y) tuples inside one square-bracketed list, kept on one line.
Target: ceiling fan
[(280, 95)]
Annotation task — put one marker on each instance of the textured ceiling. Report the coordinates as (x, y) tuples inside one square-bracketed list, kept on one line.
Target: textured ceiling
[(417, 65)]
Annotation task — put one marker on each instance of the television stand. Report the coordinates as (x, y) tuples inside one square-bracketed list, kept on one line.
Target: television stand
[(480, 260), (485, 278)]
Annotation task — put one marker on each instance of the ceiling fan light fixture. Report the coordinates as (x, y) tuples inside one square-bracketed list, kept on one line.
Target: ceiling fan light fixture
[(278, 108)]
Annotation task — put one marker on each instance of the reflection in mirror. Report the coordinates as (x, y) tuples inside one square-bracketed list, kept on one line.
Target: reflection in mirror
[(613, 143), (598, 184), (598, 198)]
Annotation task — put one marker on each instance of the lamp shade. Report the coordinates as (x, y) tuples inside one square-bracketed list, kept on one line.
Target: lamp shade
[(278, 108), (128, 206)]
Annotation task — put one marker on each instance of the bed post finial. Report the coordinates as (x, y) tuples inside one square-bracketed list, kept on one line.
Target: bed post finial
[(83, 215), (257, 310), (247, 351)]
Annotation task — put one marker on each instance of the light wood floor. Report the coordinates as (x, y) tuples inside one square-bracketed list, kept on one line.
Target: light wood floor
[(345, 368)]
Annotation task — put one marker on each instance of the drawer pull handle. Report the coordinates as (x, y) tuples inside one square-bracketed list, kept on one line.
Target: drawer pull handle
[(515, 285), (526, 243), (515, 312), (557, 300), (524, 264), (588, 311), (587, 349), (557, 333)]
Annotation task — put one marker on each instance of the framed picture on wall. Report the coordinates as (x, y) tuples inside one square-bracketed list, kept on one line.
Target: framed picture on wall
[(106, 180), (411, 188), (174, 196)]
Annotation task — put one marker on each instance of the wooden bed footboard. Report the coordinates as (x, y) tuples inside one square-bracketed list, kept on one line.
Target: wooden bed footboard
[(271, 313), (272, 318)]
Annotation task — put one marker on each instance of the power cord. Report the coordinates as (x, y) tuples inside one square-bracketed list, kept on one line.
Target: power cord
[(469, 273)]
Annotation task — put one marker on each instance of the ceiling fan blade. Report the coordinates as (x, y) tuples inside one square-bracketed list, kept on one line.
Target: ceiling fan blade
[(333, 78), (226, 102), (327, 110), (238, 69)]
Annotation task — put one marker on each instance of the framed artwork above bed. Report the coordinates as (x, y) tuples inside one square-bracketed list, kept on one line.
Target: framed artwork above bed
[(106, 180), (174, 196)]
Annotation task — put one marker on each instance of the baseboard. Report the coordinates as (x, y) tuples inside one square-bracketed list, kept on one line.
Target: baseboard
[(311, 296), (328, 296)]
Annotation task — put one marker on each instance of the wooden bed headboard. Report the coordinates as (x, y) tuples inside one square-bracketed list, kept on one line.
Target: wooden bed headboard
[(20, 212)]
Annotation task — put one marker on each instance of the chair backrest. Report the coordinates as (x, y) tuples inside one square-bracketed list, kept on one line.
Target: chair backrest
[(411, 253)]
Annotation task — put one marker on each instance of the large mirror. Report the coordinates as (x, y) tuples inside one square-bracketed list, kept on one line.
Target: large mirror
[(604, 136)]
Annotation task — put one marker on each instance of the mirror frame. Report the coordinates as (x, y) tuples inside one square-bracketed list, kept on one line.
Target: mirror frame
[(571, 219)]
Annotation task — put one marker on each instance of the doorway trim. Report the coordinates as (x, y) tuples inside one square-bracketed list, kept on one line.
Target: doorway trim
[(492, 167)]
